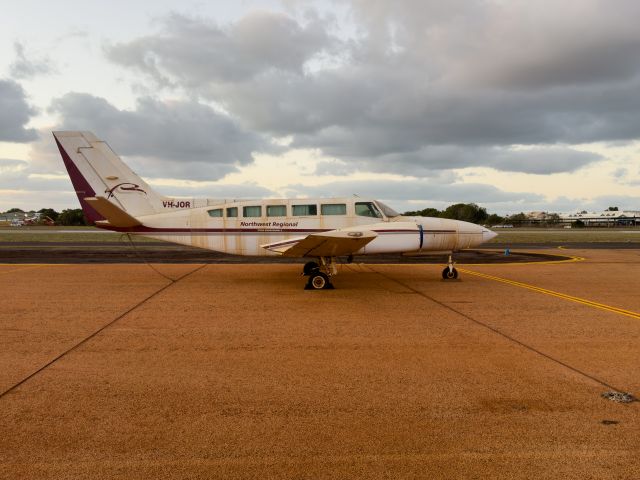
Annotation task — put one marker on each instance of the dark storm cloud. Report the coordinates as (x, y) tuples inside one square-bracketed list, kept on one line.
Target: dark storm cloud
[(540, 160), (196, 52), (535, 160), (471, 79), (25, 68), (15, 113), (517, 44), (225, 191), (424, 190), (179, 139)]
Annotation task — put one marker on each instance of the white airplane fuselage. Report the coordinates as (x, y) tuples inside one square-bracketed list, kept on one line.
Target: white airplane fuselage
[(245, 235)]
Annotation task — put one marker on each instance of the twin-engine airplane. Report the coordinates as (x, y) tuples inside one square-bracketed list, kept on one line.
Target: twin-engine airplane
[(115, 198)]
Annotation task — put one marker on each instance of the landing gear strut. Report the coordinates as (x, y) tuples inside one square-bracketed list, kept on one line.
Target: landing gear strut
[(449, 272), (320, 274), (309, 267)]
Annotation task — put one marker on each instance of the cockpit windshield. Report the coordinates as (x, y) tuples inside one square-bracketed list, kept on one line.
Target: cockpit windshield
[(388, 211), (367, 209)]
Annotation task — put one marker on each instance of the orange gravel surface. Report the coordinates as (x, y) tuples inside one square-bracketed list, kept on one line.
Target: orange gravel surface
[(235, 371)]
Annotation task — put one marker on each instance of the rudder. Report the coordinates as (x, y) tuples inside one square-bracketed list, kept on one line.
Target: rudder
[(95, 170)]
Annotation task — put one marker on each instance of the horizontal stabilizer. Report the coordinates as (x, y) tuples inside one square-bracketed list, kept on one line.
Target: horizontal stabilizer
[(115, 216), (326, 244)]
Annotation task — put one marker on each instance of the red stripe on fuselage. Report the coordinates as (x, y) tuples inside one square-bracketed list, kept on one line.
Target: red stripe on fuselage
[(162, 230)]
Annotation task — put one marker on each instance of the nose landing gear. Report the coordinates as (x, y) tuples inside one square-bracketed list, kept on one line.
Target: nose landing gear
[(449, 272)]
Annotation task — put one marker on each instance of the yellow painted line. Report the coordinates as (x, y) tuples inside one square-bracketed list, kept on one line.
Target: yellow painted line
[(564, 296), (562, 259)]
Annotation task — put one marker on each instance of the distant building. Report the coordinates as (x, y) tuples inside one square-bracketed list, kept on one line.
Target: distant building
[(11, 218), (539, 216), (603, 219), (18, 218), (608, 218)]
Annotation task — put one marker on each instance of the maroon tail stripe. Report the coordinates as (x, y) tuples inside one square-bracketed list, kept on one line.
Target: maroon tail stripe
[(81, 186)]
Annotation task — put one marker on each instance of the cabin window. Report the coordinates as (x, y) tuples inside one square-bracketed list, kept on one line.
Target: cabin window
[(216, 212), (333, 209), (232, 212), (253, 211), (304, 210), (367, 209), (276, 210)]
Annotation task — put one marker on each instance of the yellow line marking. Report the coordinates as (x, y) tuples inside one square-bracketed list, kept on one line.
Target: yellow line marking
[(564, 296), (563, 259)]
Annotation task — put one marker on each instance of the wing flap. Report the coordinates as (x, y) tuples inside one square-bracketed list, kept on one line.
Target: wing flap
[(116, 217), (326, 244)]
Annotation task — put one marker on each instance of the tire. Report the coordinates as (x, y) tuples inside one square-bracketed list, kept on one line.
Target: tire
[(309, 268), (318, 281), (449, 275)]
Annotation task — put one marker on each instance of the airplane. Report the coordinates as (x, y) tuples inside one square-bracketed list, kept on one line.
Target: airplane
[(321, 229)]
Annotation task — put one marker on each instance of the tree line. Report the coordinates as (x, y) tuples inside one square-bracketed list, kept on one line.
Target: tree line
[(68, 217), (470, 212), (467, 212)]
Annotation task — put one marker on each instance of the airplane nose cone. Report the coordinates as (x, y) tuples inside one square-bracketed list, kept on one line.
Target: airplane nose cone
[(488, 235)]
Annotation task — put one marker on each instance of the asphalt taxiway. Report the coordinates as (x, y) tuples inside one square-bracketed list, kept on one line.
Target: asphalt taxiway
[(156, 252), (235, 371)]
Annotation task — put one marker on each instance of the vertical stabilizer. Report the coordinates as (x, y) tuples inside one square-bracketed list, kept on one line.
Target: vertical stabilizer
[(96, 171)]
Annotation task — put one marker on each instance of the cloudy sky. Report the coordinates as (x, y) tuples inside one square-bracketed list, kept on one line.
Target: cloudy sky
[(515, 105)]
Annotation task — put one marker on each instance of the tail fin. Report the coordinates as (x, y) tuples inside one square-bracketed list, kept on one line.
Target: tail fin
[(96, 171)]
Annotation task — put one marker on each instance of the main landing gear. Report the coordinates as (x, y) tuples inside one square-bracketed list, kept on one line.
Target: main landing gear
[(449, 272), (320, 273)]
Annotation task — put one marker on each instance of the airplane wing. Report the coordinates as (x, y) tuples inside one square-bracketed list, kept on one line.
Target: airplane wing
[(115, 216), (333, 243)]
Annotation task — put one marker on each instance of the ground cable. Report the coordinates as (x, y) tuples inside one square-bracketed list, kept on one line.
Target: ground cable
[(144, 260), (502, 334), (107, 325)]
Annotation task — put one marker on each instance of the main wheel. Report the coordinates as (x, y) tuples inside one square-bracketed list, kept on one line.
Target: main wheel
[(309, 268), (318, 281), (449, 274)]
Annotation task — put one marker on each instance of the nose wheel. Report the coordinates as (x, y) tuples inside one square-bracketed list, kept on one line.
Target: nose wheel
[(449, 272)]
